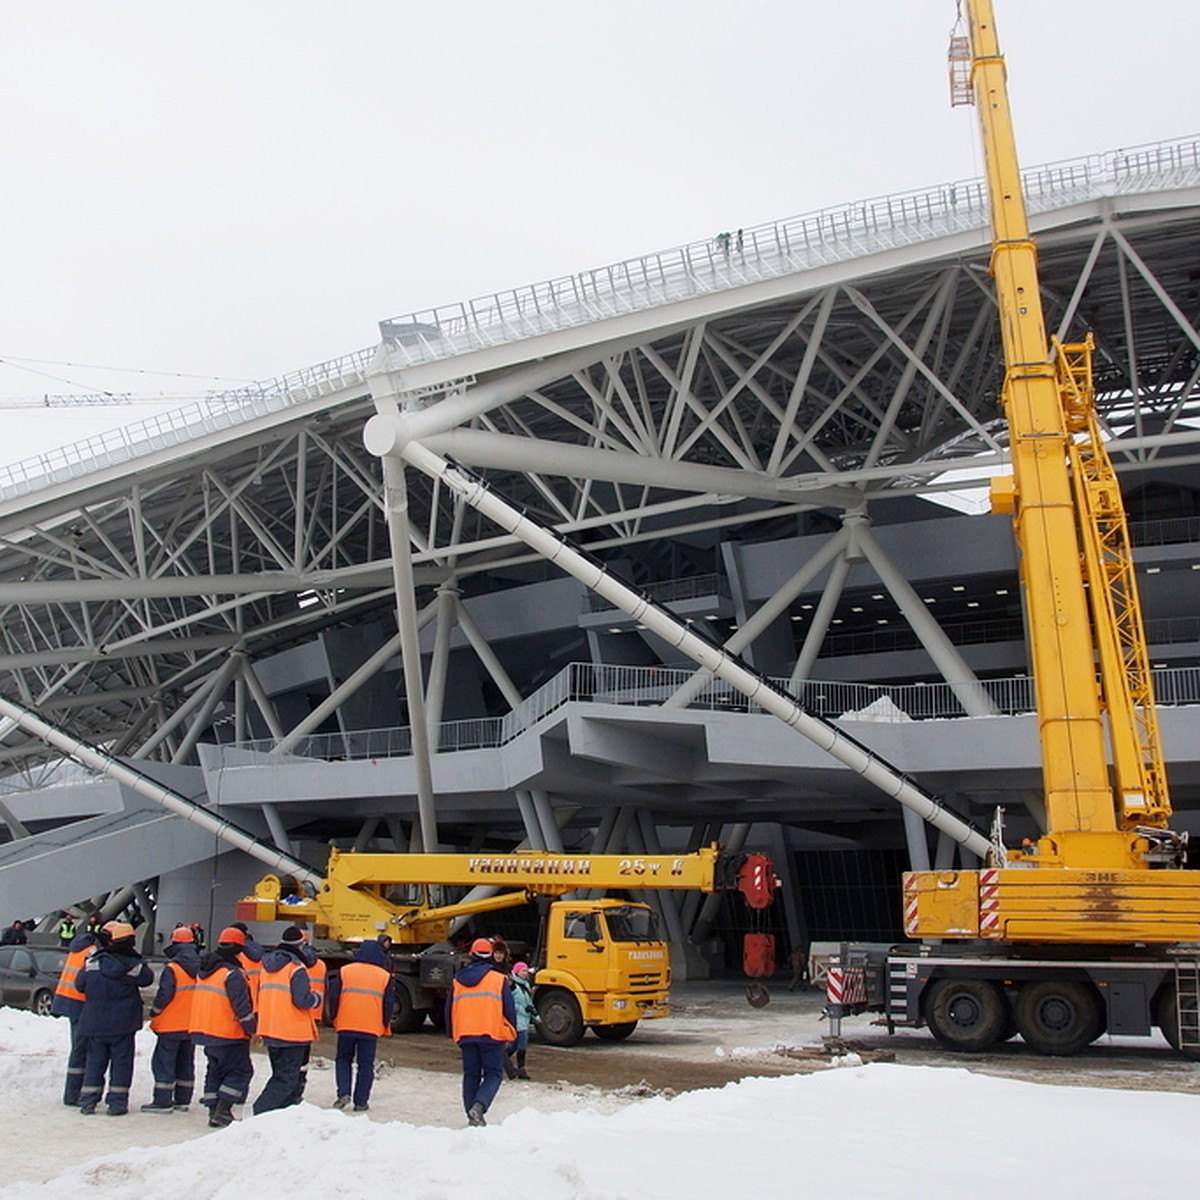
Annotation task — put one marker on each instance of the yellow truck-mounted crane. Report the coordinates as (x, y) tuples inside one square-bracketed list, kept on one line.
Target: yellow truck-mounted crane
[(1086, 929), (600, 963)]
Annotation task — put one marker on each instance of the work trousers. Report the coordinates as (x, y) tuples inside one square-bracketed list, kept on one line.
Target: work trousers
[(76, 1061), (173, 1065), (355, 1049), (483, 1069), (110, 1054), (286, 1062), (228, 1073)]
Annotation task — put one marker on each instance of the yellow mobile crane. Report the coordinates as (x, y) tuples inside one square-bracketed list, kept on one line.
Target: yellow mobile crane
[(600, 963), (1085, 930)]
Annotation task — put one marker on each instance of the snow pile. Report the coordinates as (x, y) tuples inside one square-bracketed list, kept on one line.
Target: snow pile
[(904, 1133)]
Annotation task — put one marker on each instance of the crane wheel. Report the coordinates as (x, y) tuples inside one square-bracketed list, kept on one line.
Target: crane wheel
[(561, 1021), (1059, 1016), (407, 1017), (967, 1015), (1167, 1018)]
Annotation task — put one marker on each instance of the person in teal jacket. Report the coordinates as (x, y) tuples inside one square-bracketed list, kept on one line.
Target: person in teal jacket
[(527, 1017)]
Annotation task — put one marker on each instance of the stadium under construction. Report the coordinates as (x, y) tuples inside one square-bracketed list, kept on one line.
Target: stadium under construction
[(284, 619)]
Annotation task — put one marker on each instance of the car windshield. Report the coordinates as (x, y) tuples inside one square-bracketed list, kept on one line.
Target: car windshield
[(632, 923)]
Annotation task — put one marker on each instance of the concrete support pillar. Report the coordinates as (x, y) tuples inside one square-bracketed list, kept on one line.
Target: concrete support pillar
[(914, 836)]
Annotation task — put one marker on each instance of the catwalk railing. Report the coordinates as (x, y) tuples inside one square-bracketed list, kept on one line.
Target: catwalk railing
[(749, 255), (649, 687), (727, 261)]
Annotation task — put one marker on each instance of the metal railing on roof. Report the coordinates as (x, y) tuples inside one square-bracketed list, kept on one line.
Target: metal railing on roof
[(651, 686), (728, 261), (761, 252), (177, 426)]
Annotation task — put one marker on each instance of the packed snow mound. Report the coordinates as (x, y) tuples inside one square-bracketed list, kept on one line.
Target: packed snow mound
[(882, 709)]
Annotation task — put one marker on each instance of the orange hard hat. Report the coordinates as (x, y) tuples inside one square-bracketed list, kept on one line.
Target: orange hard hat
[(481, 948), (231, 935), (182, 934)]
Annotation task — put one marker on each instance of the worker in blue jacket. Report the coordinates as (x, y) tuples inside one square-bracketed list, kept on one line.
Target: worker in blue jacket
[(112, 980)]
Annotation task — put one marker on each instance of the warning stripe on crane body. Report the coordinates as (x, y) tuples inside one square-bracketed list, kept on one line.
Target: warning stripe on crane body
[(834, 985), (846, 985), (911, 906), (989, 903)]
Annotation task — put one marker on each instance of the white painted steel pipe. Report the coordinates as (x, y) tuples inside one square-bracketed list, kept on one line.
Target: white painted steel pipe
[(99, 760), (388, 435)]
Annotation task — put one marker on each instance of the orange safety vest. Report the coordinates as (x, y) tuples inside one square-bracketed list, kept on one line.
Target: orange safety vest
[(70, 973), (253, 973), (479, 1011), (360, 1006), (177, 1016), (278, 1017), (212, 1011)]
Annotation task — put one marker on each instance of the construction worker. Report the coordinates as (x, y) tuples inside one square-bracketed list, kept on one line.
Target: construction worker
[(68, 1002), (66, 930), (251, 960), (111, 981), (481, 1018), (173, 1063), (362, 998), (287, 1010), (223, 1022), (317, 974)]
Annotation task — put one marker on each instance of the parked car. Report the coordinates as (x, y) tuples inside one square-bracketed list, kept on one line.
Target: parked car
[(28, 976)]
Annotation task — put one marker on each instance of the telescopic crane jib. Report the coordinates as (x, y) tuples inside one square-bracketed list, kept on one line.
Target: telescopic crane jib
[(1087, 929)]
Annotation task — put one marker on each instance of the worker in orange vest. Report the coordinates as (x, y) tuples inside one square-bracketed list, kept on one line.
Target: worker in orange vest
[(317, 980), (173, 1063), (481, 1018), (250, 960), (362, 997), (223, 1022), (287, 1011), (68, 1002)]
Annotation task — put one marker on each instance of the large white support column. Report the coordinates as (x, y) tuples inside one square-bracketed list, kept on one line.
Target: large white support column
[(410, 642), (387, 436)]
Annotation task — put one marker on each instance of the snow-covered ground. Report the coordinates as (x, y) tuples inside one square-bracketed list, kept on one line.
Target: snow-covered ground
[(879, 1131)]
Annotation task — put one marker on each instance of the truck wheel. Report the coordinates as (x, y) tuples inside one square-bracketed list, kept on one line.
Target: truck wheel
[(967, 1015), (614, 1033), (562, 1022), (1167, 1018), (1059, 1017), (407, 1018)]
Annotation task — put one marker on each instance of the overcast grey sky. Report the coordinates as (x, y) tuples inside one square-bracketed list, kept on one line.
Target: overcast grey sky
[(239, 189)]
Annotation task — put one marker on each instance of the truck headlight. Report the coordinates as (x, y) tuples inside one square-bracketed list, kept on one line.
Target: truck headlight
[(619, 1003)]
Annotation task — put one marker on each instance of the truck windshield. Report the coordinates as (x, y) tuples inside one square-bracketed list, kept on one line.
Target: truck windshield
[(631, 923)]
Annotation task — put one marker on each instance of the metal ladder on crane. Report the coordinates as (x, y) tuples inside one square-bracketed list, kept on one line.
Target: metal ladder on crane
[(1187, 1001)]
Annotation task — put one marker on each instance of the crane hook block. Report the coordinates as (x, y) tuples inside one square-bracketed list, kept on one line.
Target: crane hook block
[(758, 955), (756, 881)]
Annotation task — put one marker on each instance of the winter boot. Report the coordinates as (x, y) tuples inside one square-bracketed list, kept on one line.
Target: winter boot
[(222, 1114), (521, 1072), (475, 1114), (510, 1072), (163, 1102)]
